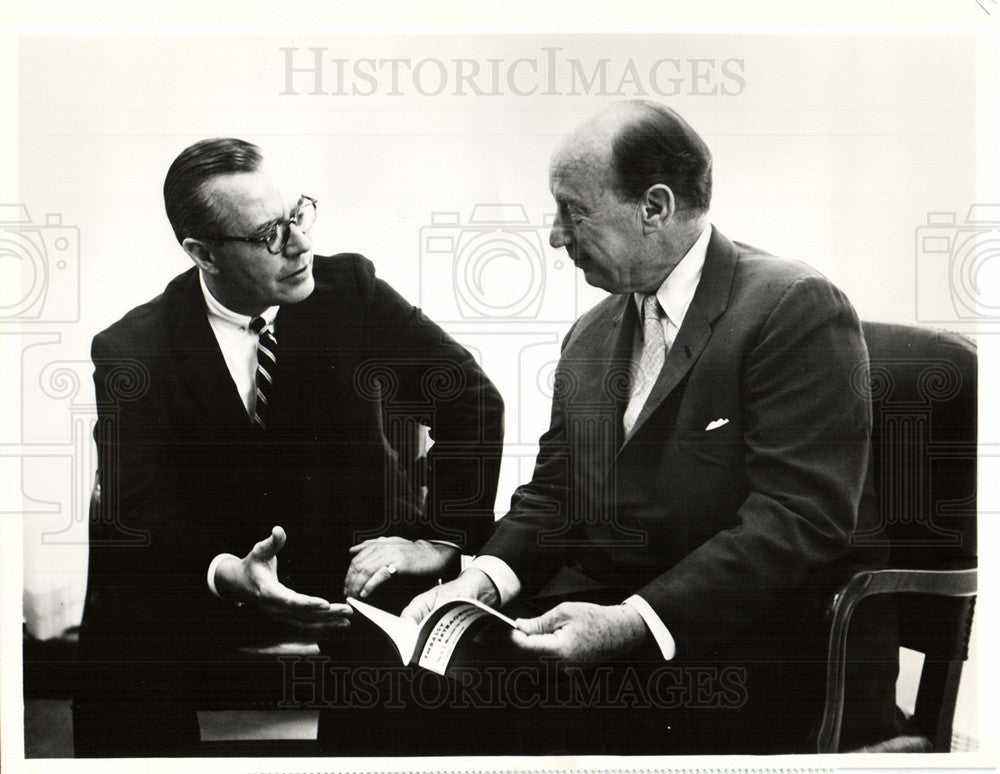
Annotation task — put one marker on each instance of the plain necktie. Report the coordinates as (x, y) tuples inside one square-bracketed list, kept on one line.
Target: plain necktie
[(654, 351), (267, 360)]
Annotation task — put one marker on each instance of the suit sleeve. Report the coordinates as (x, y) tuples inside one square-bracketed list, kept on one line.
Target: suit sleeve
[(436, 381), (540, 507), (806, 453)]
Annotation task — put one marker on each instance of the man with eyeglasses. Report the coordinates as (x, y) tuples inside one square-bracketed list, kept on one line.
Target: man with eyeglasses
[(254, 421)]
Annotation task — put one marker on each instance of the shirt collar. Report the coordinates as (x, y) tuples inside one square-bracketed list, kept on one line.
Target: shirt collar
[(677, 291), (225, 315)]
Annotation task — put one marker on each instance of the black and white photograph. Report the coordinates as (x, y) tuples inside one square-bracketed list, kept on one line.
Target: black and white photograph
[(483, 388)]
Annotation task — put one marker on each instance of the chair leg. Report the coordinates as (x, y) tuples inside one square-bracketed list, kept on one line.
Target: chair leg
[(936, 699)]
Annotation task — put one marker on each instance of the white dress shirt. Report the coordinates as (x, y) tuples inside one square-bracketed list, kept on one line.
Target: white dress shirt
[(238, 344), (239, 349), (675, 296)]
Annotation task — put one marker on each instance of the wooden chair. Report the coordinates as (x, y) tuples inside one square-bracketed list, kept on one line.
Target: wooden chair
[(923, 391)]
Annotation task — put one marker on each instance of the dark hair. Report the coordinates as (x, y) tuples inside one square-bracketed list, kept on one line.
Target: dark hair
[(658, 146), (189, 210)]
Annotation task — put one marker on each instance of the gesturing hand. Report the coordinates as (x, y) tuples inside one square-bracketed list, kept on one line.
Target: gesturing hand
[(579, 632), (254, 580), (377, 560)]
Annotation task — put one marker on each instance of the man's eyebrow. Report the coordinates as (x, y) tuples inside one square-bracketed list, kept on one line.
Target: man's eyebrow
[(570, 201), (262, 229)]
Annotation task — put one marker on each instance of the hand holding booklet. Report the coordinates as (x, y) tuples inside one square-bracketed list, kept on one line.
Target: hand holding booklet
[(432, 642)]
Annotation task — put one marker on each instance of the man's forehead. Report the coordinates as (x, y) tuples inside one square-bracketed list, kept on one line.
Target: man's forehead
[(585, 153), (250, 197), (579, 169)]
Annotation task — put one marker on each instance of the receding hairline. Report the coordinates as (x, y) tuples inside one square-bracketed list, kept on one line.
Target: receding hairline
[(591, 144), (222, 216)]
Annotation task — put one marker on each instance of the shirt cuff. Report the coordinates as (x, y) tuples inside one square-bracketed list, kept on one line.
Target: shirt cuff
[(503, 577), (446, 543), (211, 572), (657, 628)]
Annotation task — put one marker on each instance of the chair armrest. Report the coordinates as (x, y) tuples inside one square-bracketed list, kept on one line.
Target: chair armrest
[(947, 583)]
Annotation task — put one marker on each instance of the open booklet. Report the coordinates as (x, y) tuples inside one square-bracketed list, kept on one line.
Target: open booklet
[(432, 642)]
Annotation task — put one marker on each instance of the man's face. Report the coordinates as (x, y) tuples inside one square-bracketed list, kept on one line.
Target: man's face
[(601, 233), (248, 278)]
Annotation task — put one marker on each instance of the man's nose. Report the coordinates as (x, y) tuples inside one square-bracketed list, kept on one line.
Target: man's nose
[(298, 241), (559, 236)]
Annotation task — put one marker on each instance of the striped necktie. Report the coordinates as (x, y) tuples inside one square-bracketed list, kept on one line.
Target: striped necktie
[(267, 359), (654, 352)]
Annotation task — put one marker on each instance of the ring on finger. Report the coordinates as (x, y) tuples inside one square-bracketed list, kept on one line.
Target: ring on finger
[(390, 569)]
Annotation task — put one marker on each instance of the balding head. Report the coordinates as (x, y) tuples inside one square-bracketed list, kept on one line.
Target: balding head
[(639, 144), (632, 187)]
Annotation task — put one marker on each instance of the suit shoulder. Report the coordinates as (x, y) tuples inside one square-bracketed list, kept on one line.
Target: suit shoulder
[(768, 289), (149, 322), (757, 266), (343, 271), (764, 280)]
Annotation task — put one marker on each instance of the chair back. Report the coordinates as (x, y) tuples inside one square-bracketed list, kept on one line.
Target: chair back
[(923, 392), (924, 435)]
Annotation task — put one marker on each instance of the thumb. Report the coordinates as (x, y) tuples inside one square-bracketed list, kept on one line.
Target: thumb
[(546, 623), (268, 548), (418, 608), (532, 625)]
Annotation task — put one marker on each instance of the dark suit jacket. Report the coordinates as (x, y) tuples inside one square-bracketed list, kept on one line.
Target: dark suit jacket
[(185, 476), (736, 536)]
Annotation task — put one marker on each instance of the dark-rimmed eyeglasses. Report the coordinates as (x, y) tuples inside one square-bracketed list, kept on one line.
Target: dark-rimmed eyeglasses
[(275, 238)]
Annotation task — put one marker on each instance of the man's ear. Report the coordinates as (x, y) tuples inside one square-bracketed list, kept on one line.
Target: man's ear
[(657, 207), (199, 252)]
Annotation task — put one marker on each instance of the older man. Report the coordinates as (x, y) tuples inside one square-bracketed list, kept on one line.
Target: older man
[(698, 487), (266, 395)]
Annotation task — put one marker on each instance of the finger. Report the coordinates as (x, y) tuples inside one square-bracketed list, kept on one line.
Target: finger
[(367, 565), (279, 595), (377, 578), (420, 606), (364, 544), (268, 548), (284, 608), (549, 621), (307, 622), (361, 569), (321, 626), (540, 644), (372, 542), (533, 626)]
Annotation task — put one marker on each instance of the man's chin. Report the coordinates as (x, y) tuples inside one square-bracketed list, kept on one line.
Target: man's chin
[(301, 290), (596, 279)]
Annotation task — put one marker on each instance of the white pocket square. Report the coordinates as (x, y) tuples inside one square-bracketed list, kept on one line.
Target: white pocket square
[(716, 423)]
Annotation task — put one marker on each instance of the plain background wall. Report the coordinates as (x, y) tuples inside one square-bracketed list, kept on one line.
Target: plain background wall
[(829, 148)]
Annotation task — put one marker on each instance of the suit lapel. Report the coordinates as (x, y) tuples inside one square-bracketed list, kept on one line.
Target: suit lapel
[(601, 362), (710, 300), (596, 387), (201, 364)]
